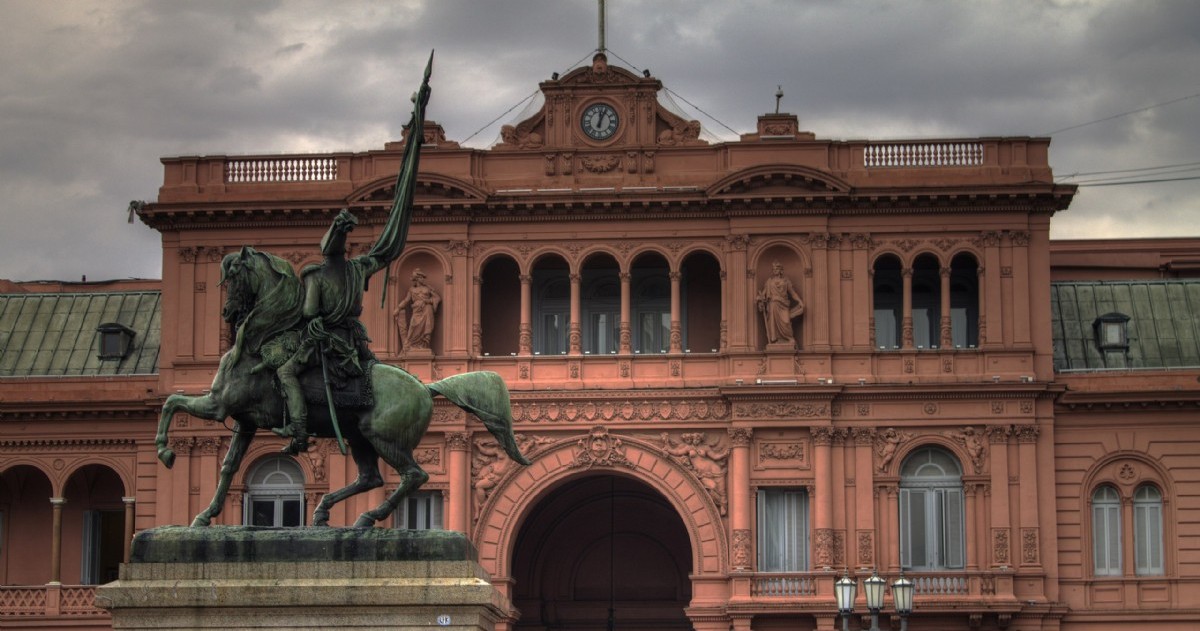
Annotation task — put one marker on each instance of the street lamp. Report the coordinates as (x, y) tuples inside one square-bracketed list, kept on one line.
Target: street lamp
[(902, 596), (844, 590), (873, 589)]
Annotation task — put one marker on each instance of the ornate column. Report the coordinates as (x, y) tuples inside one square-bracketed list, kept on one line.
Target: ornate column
[(1022, 334), (982, 285), (823, 552), (56, 504), (127, 532), (1027, 436), (970, 529), (742, 558), (819, 313), (576, 333), (458, 470), (739, 305), (626, 342), (947, 336), (906, 321), (180, 494), (1001, 524), (525, 334), (891, 539), (676, 345), (993, 296), (864, 479), (477, 316)]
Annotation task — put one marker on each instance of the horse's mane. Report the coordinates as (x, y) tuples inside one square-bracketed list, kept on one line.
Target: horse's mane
[(278, 310)]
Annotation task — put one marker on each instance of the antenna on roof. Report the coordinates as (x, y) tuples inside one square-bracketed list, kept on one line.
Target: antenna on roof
[(778, 98), (603, 12)]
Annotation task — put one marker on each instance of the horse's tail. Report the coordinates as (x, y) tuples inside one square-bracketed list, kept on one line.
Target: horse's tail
[(484, 394)]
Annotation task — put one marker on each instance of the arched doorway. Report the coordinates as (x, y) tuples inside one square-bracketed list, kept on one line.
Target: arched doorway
[(599, 541)]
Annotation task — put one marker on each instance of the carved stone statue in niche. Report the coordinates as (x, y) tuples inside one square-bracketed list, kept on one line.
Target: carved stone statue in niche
[(706, 460), (779, 304), (423, 301)]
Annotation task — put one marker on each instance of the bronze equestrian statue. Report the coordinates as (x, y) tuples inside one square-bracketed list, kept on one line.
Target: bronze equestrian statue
[(305, 329)]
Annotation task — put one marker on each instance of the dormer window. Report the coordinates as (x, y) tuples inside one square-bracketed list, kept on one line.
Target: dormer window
[(116, 340), (1112, 332)]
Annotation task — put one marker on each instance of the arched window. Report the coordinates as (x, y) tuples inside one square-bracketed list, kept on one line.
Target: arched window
[(888, 295), (1106, 531), (275, 494), (931, 511), (1148, 530), (926, 302)]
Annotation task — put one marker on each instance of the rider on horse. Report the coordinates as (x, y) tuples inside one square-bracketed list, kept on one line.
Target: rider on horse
[(333, 290)]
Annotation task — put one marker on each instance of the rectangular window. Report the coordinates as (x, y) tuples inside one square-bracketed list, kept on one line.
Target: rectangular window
[(1147, 530), (420, 511), (886, 335), (654, 331), (1106, 538), (782, 530), (603, 332), (931, 529), (553, 336), (921, 335)]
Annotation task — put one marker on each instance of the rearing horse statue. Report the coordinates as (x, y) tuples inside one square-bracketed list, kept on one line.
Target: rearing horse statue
[(288, 325), (389, 428)]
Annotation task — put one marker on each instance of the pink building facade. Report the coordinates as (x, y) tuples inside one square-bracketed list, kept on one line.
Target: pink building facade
[(959, 400)]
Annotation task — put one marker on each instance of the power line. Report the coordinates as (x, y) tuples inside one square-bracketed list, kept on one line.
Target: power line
[(518, 104), (1116, 116), (1169, 179), (675, 94), (1127, 177), (1164, 166)]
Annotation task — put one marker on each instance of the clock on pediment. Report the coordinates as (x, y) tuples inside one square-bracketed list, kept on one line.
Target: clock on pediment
[(599, 121)]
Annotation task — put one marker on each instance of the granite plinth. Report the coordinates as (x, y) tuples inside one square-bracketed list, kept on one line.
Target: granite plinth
[(256, 544), (235, 578)]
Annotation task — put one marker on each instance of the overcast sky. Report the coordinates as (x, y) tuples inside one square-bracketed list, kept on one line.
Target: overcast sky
[(92, 94)]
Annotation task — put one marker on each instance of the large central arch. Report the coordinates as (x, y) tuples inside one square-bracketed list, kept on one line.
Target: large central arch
[(601, 545), (510, 503)]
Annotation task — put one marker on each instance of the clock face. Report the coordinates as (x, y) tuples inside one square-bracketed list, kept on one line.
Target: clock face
[(599, 121)]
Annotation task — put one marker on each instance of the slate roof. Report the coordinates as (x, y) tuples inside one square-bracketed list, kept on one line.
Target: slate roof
[(54, 334), (1163, 329)]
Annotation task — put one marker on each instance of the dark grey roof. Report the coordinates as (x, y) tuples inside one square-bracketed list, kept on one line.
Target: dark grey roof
[(55, 334), (1163, 329)]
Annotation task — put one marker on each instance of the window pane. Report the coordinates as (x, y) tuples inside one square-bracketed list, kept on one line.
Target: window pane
[(952, 521), (782, 530), (918, 529), (1147, 531), (291, 513), (262, 513), (885, 329), (1106, 532)]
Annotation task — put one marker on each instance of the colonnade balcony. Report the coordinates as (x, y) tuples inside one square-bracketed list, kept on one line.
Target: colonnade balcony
[(970, 591)]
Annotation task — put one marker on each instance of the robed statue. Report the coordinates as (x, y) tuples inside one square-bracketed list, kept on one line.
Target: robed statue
[(779, 304), (416, 333), (300, 364)]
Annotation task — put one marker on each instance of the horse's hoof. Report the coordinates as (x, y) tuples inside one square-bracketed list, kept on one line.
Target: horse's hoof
[(167, 457), (364, 521), (320, 519)]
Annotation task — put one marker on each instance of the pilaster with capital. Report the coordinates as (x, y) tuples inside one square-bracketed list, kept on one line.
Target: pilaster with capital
[(458, 470), (525, 333), (741, 294), (864, 478), (626, 327), (575, 331), (740, 439), (998, 439), (1027, 436)]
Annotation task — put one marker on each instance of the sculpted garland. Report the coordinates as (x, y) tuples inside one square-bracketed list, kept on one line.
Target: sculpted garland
[(299, 341)]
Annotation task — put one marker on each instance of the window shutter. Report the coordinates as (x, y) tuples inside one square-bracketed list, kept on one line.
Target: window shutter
[(906, 530), (952, 525)]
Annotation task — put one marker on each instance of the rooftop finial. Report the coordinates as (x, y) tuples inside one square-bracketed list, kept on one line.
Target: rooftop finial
[(778, 97), (603, 12)]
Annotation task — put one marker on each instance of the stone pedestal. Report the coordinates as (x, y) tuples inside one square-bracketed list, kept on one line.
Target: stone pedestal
[(235, 578)]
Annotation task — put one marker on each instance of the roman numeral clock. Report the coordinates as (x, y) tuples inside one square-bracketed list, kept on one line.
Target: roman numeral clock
[(599, 121)]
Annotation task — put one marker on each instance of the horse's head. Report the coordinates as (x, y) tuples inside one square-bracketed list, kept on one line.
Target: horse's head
[(238, 273)]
